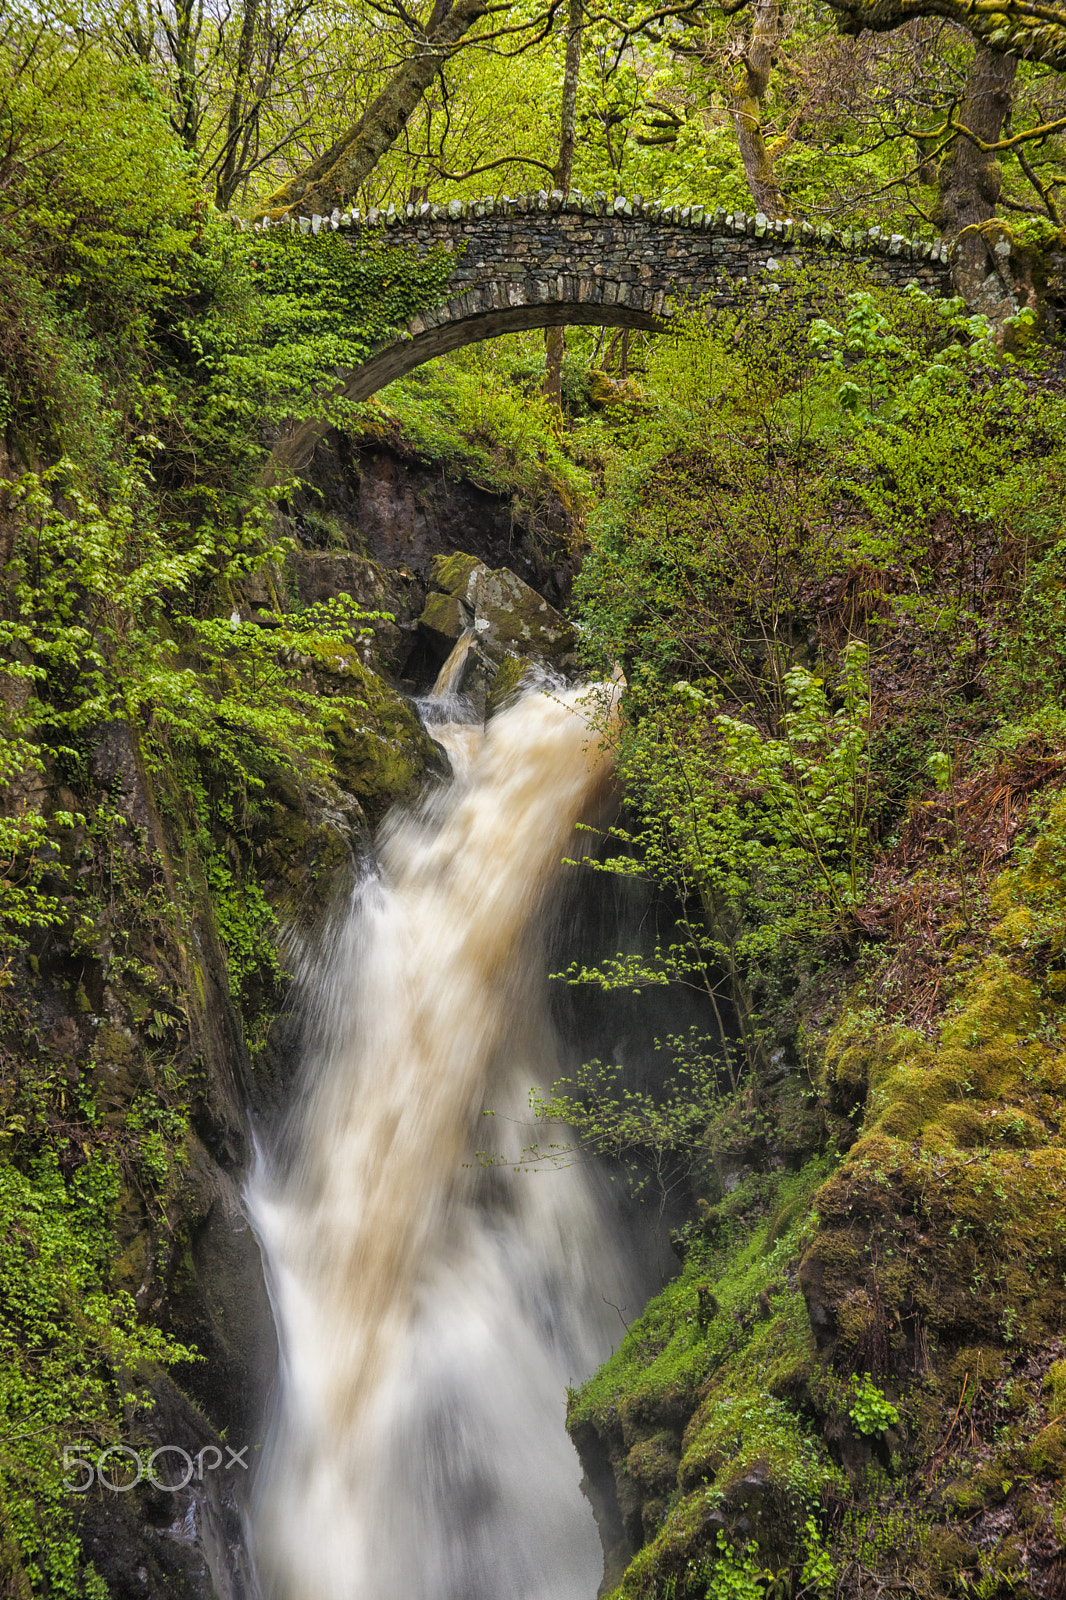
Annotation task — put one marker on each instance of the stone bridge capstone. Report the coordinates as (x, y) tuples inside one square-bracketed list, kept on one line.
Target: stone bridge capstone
[(549, 259)]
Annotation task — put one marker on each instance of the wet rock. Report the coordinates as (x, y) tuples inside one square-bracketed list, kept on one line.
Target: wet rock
[(181, 1543), (444, 621), (509, 617), (115, 768), (216, 1299), (600, 1486)]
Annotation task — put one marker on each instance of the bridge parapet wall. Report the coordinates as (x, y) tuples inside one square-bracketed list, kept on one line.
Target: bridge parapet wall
[(689, 251)]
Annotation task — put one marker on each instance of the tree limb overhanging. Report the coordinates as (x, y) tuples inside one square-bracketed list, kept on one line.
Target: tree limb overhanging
[(1022, 28)]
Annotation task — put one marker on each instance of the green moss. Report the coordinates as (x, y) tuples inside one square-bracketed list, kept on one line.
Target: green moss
[(950, 1553), (1047, 1453), (653, 1463), (949, 1209), (452, 573), (381, 754), (443, 619), (722, 1354), (1055, 1382)]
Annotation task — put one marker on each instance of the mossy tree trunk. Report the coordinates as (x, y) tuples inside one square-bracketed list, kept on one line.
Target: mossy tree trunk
[(555, 338), (969, 178), (1027, 29), (753, 80)]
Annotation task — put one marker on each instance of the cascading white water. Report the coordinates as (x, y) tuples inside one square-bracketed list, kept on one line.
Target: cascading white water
[(432, 1310)]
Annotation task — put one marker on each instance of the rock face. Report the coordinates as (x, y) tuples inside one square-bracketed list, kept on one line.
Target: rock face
[(381, 504)]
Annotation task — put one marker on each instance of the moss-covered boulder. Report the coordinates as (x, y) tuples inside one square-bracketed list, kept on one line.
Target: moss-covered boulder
[(444, 619), (381, 752), (509, 618)]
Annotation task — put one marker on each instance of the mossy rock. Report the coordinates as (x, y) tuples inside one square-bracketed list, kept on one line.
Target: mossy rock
[(381, 754), (652, 1463), (1055, 1384), (950, 1554), (989, 1486), (443, 621), (1047, 1453), (976, 1366), (118, 1069), (1007, 1557), (689, 1533), (791, 1381), (302, 859), (452, 573), (963, 1497)]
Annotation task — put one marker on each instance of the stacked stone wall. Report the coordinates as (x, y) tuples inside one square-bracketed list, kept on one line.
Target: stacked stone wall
[(691, 250)]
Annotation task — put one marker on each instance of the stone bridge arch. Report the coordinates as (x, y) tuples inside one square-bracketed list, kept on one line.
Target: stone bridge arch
[(546, 259)]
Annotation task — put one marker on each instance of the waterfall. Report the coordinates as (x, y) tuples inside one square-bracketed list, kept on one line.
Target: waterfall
[(431, 1308)]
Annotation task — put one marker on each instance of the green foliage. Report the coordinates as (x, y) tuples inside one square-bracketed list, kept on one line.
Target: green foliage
[(711, 516), (870, 1411), (736, 1574), (70, 1350), (656, 1137), (815, 779), (146, 347), (718, 1347), (473, 414), (875, 348), (761, 838), (818, 1573), (97, 633)]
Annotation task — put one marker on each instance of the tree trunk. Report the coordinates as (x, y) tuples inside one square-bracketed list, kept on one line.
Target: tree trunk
[(753, 81), (183, 36), (555, 338), (230, 174), (969, 178), (333, 178)]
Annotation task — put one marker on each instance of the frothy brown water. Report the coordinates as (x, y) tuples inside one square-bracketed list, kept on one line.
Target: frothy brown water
[(431, 1313)]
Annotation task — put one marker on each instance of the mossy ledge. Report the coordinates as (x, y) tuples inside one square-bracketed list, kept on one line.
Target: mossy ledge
[(857, 1377)]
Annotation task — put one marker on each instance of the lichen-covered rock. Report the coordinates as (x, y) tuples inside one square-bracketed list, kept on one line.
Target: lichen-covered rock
[(508, 617)]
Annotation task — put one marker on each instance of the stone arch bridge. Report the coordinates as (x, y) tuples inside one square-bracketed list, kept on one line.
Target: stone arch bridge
[(550, 259)]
